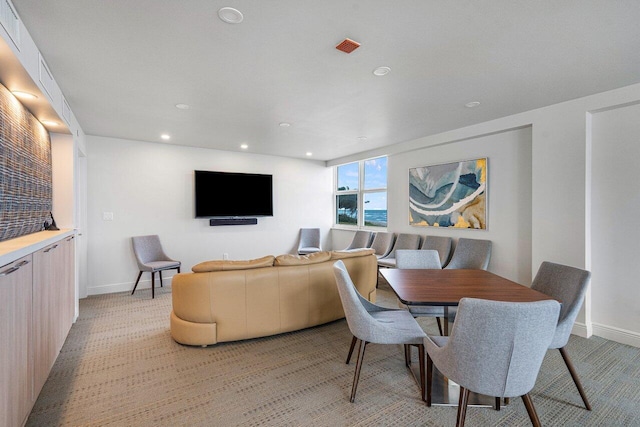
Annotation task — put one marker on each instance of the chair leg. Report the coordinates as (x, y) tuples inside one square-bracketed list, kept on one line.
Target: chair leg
[(429, 378), (153, 285), (531, 410), (439, 325), (136, 285), (353, 344), (421, 362), (574, 375), (497, 405), (462, 406), (160, 273), (407, 355), (356, 376)]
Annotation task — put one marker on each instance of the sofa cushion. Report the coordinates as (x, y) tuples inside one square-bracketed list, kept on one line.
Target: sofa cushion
[(350, 253), (314, 258), (226, 265)]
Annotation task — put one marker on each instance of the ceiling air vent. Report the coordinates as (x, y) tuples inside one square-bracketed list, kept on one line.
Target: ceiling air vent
[(348, 46), (10, 21)]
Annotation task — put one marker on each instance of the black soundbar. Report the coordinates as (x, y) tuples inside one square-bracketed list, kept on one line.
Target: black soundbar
[(233, 221)]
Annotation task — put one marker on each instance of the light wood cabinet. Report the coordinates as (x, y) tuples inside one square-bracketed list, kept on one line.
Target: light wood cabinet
[(15, 330), (53, 306), (37, 293)]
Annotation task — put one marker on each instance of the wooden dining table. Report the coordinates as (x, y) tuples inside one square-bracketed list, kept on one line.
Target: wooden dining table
[(435, 287)]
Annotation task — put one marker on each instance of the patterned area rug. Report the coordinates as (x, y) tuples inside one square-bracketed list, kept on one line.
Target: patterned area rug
[(120, 367)]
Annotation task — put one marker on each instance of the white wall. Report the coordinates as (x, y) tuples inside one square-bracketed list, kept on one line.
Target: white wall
[(149, 189), (615, 233), (63, 183), (508, 196), (561, 199)]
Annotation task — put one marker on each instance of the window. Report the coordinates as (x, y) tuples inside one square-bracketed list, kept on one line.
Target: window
[(361, 193)]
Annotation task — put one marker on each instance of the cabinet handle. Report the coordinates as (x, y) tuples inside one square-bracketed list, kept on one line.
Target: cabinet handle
[(15, 268), (71, 238), (51, 248)]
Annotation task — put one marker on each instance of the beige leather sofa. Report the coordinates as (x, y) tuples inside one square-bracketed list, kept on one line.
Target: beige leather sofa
[(236, 300)]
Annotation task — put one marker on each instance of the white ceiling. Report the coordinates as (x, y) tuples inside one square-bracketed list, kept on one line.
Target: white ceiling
[(124, 65)]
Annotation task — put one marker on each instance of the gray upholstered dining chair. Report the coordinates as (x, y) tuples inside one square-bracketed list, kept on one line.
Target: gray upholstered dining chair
[(471, 253), (361, 239), (150, 257), (369, 325), (418, 258), (442, 244), (496, 349), (421, 259), (382, 243), (403, 241), (309, 241), (567, 285)]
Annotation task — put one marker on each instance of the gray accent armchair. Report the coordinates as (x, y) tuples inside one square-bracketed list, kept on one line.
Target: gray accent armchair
[(442, 244), (309, 241), (567, 285), (151, 257), (403, 241), (362, 239), (382, 243), (495, 348), (471, 253), (372, 324)]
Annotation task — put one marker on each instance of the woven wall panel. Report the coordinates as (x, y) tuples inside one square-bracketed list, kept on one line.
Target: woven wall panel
[(25, 170)]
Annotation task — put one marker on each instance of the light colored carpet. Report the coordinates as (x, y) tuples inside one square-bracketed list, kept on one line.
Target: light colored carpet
[(120, 367)]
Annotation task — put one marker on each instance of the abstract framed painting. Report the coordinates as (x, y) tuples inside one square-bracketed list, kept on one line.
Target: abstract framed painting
[(449, 195)]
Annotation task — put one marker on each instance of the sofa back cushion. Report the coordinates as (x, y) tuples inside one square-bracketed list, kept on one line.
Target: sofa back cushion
[(350, 253), (226, 265), (314, 258)]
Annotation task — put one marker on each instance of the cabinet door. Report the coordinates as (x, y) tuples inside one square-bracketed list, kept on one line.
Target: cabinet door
[(69, 285), (15, 330), (46, 312)]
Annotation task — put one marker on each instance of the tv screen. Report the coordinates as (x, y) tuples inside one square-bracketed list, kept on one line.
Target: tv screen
[(230, 194)]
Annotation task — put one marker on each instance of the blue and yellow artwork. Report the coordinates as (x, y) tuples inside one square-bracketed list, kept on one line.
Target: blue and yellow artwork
[(449, 195)]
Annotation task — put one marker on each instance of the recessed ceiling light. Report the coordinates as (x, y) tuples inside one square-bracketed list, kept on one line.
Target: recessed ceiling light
[(183, 106), (381, 71), (165, 136), (244, 146), (362, 138), (49, 122), (472, 104), (24, 95), (285, 125), (230, 15), (309, 154)]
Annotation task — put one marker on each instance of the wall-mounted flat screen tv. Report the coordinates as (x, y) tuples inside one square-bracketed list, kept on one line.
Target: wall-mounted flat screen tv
[(230, 194)]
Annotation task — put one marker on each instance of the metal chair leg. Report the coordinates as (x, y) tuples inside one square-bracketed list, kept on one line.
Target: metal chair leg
[(160, 273), (356, 376), (136, 285), (462, 406), (429, 379), (153, 285), (421, 353), (439, 325), (353, 344), (574, 375), (531, 410)]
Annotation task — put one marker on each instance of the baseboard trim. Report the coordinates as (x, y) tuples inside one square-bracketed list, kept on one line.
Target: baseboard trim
[(623, 336), (581, 330), (113, 288)]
